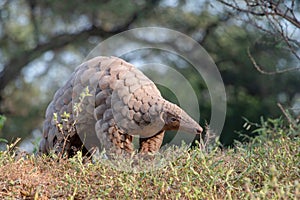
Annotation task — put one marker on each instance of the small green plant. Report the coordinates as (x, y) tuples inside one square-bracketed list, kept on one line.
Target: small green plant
[(268, 129), (272, 129), (8, 148), (2, 121), (77, 108), (66, 125)]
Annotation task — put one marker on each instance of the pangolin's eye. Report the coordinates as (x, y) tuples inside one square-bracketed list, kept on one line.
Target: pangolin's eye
[(173, 119)]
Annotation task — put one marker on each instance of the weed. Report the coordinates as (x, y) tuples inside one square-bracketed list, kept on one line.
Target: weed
[(266, 168)]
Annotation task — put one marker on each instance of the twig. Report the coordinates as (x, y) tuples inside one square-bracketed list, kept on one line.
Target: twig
[(259, 68), (279, 16), (64, 145), (287, 116)]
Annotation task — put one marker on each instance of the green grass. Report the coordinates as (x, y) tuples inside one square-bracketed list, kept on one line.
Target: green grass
[(265, 168)]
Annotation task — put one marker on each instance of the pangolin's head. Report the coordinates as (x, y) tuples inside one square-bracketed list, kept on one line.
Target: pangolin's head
[(177, 119)]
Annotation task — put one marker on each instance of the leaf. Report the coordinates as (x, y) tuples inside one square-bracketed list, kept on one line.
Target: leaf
[(2, 121), (2, 140)]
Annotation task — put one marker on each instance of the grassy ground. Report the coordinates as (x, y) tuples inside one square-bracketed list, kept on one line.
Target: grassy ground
[(263, 169)]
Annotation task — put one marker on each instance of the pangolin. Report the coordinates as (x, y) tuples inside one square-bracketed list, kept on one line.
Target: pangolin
[(106, 102)]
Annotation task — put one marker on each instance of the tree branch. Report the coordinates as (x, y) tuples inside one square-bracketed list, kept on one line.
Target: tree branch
[(32, 5), (13, 68), (273, 8), (259, 68), (279, 15)]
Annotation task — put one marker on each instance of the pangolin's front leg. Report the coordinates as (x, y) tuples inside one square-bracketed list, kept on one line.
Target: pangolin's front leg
[(151, 144)]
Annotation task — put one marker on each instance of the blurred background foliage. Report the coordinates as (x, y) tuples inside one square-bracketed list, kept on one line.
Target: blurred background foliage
[(43, 41)]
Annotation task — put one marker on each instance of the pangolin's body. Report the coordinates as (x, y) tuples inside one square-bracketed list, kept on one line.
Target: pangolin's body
[(104, 103)]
